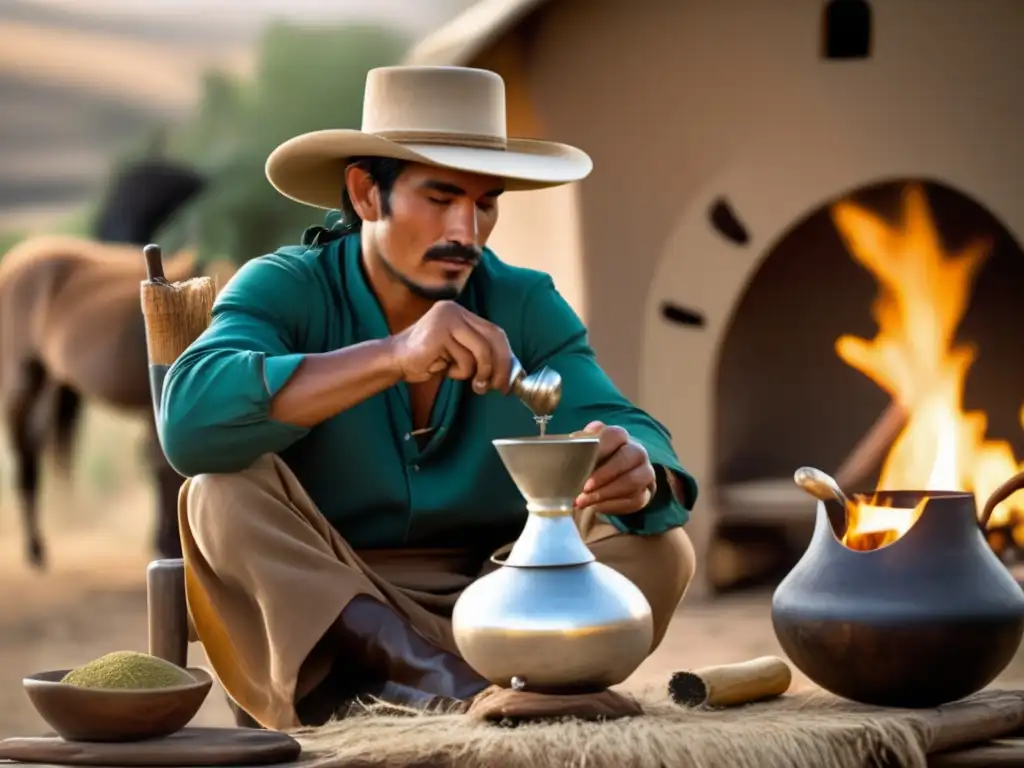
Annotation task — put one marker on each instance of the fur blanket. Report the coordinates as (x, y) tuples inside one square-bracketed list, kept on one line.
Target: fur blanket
[(806, 730)]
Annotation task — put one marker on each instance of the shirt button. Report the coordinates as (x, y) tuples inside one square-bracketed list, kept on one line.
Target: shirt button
[(408, 436), (415, 467)]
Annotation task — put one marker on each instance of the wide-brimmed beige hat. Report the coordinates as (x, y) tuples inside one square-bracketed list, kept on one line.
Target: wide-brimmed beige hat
[(453, 117)]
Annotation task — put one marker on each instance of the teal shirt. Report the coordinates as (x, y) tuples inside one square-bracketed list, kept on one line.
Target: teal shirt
[(368, 477)]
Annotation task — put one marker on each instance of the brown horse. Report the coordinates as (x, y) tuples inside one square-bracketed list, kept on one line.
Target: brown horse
[(71, 327)]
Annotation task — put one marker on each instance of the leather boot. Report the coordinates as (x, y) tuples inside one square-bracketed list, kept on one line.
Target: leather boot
[(410, 668)]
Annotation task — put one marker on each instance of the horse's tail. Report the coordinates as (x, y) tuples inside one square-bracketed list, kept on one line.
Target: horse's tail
[(66, 417)]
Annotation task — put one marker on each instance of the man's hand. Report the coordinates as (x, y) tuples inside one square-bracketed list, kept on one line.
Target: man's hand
[(623, 481), (450, 337)]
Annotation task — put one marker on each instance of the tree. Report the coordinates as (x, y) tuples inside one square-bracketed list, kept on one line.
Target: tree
[(306, 79)]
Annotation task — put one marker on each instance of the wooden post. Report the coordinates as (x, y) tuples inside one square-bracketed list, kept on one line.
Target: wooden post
[(175, 315), (167, 611)]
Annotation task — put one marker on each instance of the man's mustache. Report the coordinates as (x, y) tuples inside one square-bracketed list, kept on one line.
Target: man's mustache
[(453, 252)]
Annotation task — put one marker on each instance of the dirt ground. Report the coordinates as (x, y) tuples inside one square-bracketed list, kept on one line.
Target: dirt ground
[(80, 611), (92, 600)]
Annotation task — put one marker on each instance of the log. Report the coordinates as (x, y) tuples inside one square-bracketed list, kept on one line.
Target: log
[(963, 723), (1003, 753), (779, 499), (871, 448), (728, 685)]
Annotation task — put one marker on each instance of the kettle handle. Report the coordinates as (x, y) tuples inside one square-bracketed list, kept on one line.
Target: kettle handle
[(999, 495)]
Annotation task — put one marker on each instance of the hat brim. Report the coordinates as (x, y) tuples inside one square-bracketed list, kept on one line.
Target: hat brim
[(310, 168)]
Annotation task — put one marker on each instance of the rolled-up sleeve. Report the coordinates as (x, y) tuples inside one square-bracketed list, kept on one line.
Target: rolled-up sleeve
[(555, 336), (215, 408)]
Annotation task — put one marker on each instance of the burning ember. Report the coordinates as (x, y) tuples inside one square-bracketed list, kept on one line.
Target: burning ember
[(923, 294)]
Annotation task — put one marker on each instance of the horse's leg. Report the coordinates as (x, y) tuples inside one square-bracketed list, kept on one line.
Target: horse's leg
[(26, 429), (67, 410)]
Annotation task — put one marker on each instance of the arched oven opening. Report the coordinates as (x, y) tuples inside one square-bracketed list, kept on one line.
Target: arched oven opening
[(790, 393)]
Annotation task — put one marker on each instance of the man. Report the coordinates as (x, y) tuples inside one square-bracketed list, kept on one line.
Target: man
[(336, 418)]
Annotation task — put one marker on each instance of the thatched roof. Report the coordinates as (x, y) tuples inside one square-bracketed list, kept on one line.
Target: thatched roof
[(469, 33)]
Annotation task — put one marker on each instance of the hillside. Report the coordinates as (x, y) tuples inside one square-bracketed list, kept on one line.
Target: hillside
[(77, 85)]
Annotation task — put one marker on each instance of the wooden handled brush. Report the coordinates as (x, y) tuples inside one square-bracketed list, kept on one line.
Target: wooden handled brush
[(175, 315)]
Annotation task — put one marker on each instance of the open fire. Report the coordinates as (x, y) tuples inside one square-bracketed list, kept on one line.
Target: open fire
[(924, 291)]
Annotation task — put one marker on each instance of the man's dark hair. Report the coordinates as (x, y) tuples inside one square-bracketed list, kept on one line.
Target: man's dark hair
[(385, 172)]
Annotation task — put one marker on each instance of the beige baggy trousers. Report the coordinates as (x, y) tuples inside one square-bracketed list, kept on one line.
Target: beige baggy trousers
[(266, 575)]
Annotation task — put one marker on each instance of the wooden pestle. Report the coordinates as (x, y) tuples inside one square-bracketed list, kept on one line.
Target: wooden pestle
[(728, 685)]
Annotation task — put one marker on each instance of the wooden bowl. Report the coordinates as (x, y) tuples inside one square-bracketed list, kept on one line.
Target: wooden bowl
[(97, 714)]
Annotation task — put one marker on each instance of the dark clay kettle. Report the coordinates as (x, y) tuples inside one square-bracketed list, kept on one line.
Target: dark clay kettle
[(928, 619)]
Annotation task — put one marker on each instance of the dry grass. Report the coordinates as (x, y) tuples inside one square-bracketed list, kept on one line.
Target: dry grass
[(82, 521)]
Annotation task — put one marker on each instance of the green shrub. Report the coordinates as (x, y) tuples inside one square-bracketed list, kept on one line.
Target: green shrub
[(8, 239), (306, 80)]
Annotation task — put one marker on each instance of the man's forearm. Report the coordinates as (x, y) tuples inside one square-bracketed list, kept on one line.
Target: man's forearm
[(331, 382)]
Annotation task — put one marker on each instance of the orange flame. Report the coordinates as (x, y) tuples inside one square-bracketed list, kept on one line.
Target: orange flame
[(923, 294)]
